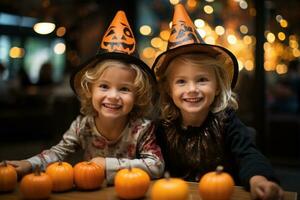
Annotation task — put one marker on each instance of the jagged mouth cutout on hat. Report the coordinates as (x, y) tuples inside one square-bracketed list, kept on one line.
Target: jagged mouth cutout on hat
[(182, 34), (119, 39)]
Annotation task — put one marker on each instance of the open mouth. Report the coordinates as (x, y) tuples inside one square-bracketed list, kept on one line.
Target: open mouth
[(192, 100), (112, 106)]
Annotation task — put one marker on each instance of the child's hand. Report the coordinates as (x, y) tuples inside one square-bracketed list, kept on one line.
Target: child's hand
[(99, 161), (22, 166), (261, 188)]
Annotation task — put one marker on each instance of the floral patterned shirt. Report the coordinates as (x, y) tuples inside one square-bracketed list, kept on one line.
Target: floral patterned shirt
[(136, 146)]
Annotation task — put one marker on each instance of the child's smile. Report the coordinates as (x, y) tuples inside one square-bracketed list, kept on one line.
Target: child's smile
[(192, 100), (113, 94), (193, 89), (112, 106)]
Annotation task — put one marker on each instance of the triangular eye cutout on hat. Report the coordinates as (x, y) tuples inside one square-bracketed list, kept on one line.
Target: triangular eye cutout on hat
[(119, 36), (183, 30)]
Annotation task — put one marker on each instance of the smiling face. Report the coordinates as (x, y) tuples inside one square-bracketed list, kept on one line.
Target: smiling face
[(119, 39), (193, 89), (119, 36), (113, 94), (182, 34)]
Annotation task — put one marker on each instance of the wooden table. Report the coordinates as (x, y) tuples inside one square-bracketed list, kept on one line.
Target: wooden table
[(108, 193)]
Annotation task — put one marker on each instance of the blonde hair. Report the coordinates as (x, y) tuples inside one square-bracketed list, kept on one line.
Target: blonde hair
[(142, 83), (226, 97)]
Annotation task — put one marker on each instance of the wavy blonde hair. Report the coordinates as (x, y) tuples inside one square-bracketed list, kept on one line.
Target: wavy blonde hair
[(226, 98), (142, 83)]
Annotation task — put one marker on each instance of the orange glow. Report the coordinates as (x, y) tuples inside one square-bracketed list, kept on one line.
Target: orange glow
[(156, 42), (270, 37), (192, 3), (16, 52), (247, 39), (249, 66), (61, 31), (165, 35), (281, 36), (283, 23), (281, 69), (149, 52)]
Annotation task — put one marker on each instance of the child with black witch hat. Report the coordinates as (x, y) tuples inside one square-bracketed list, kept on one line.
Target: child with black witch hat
[(198, 128), (115, 89)]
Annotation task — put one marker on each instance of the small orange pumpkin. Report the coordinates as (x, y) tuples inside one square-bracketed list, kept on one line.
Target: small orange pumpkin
[(8, 177), (216, 185), (37, 185), (88, 175), (62, 176), (131, 183), (169, 188)]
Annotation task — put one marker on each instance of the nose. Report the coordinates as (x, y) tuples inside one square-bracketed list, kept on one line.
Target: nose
[(113, 94), (192, 87)]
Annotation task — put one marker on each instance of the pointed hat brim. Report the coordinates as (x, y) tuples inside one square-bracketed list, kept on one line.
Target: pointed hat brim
[(75, 80)]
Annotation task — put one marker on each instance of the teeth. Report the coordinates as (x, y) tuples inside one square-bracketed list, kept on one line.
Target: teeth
[(193, 100), (113, 106)]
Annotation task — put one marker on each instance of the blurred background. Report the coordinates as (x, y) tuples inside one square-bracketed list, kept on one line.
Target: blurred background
[(37, 104)]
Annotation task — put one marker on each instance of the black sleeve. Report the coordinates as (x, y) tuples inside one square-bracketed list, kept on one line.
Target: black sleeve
[(249, 159), (162, 142), (159, 133)]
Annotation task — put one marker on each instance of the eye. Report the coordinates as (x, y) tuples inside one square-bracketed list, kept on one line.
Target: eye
[(103, 86), (124, 89), (180, 82), (202, 79)]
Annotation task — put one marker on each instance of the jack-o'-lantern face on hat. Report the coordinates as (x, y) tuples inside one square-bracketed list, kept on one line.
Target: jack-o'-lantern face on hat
[(183, 30), (119, 36), (181, 34)]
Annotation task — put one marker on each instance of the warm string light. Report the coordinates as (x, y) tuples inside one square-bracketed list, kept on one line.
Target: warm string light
[(145, 30), (16, 52), (237, 38), (44, 28)]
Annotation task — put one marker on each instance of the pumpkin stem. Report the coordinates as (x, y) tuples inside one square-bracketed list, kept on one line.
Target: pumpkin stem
[(167, 175), (60, 162), (130, 167), (219, 169), (37, 170), (4, 163)]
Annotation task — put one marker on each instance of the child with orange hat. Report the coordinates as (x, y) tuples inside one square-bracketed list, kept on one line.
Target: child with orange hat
[(115, 89), (198, 128)]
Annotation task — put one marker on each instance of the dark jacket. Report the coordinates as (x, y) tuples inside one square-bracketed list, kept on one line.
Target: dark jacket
[(221, 140)]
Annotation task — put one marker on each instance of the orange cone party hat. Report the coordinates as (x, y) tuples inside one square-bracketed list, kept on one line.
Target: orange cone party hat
[(119, 36), (183, 30), (118, 43), (184, 39)]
